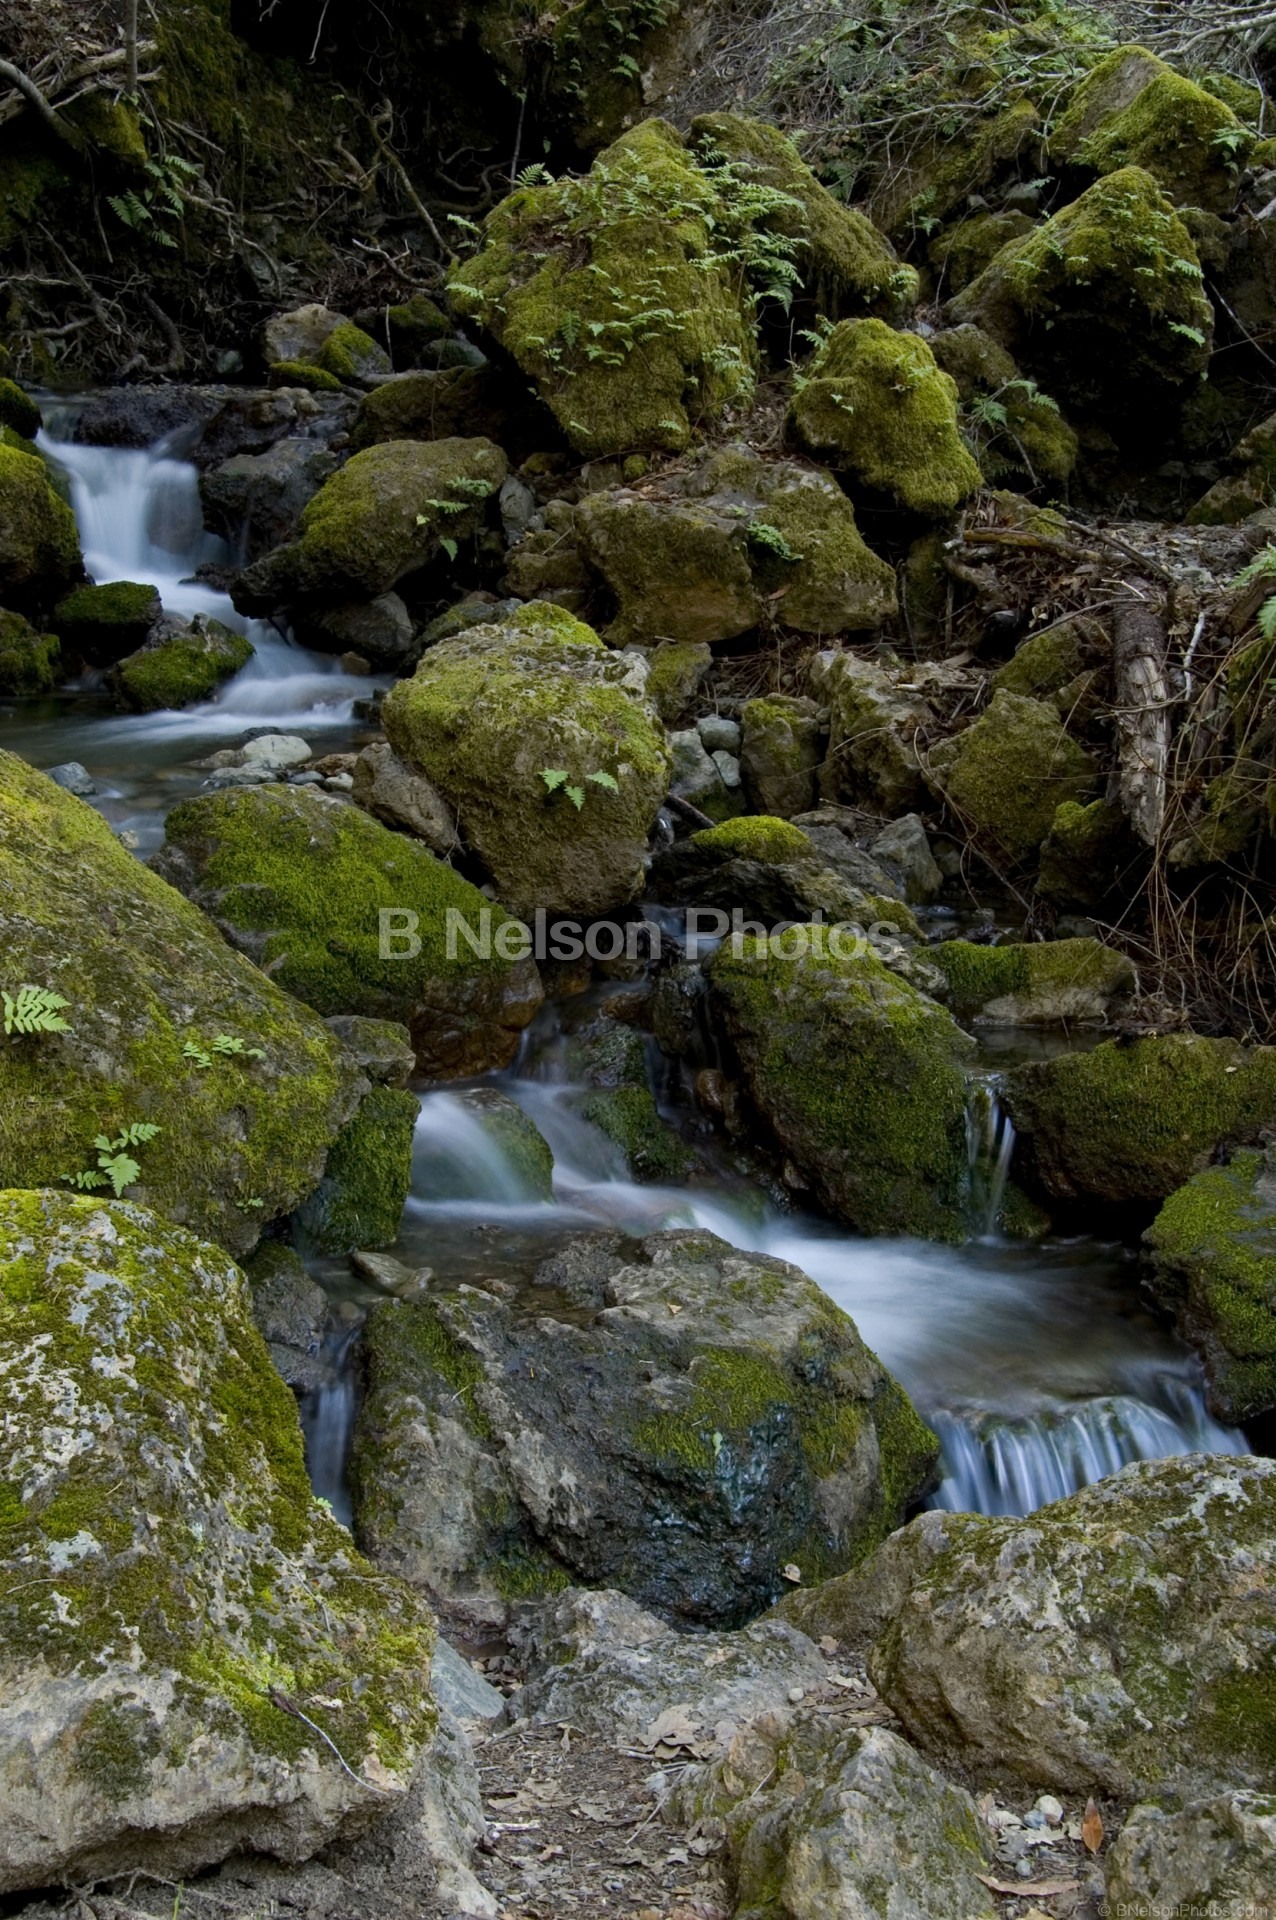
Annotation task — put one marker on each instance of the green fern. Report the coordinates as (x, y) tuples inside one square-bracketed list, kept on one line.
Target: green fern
[(34, 1010), (116, 1168)]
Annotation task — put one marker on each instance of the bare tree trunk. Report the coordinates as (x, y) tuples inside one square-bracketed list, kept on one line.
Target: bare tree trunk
[(1142, 709), (130, 48)]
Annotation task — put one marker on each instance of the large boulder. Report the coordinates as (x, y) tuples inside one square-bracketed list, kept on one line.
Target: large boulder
[(257, 498), (101, 625), (180, 664), (384, 516), (353, 918), (1135, 111), (876, 406), (1006, 776), (1213, 1263), (821, 1819), (619, 295), (872, 754), (193, 1659), (1130, 1122), (494, 715), (696, 1420), (150, 989), (1120, 1642), (1104, 301), (858, 1075), (847, 267), (39, 546), (1217, 1856)]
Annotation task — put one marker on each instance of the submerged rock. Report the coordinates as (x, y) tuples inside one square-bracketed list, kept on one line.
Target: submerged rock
[(1119, 1642), (859, 1077), (495, 715), (1213, 1259), (151, 990), (1130, 1122), (181, 1622), (300, 881), (702, 1419)]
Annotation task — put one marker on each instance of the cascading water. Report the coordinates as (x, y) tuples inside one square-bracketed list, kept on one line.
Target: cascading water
[(990, 1143)]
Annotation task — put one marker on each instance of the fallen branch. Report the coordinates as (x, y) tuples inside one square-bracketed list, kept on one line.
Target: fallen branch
[(23, 84)]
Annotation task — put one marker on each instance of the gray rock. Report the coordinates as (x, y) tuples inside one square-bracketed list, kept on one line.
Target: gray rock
[(301, 334), (600, 1662), (381, 630), (291, 1314), (399, 795), (904, 847), (139, 1730), (255, 500), (1217, 1856), (821, 1822), (693, 775), (728, 770), (661, 1443), (719, 734), (835, 832), (1106, 1644), (273, 752), (779, 754), (872, 755), (465, 1694), (73, 778), (857, 1607), (384, 1271), (518, 506)]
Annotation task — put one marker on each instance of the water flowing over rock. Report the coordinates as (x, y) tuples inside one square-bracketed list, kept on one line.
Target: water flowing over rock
[(704, 1418), (195, 1660), (1120, 1642)]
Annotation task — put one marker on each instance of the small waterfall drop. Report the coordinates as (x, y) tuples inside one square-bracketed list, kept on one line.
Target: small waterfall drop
[(990, 1146)]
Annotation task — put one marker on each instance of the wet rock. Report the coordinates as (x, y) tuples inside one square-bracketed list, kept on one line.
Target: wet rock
[(1049, 983), (388, 787), (630, 1119), (182, 662), (1213, 1263), (359, 1202), (147, 979), (1219, 1853), (779, 754), (1130, 1122), (175, 1510), (603, 1664), (299, 881), (834, 1049), (258, 498), (1111, 1643), (518, 1141), (489, 714), (1007, 775), (291, 1314), (380, 630), (660, 1442), (101, 625), (73, 778), (826, 1821), (872, 757)]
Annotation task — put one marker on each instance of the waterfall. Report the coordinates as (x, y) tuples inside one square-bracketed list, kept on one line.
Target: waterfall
[(990, 1146)]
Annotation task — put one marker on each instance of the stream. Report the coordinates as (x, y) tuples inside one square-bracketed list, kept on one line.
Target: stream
[(1037, 1365)]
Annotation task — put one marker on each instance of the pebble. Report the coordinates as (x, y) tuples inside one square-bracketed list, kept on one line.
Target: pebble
[(796, 1694), (1052, 1809), (1036, 1819), (339, 782)]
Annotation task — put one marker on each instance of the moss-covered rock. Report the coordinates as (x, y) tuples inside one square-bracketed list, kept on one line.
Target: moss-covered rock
[(872, 754), (18, 410), (1006, 776), (847, 267), (1104, 302), (301, 881), (679, 570), (1121, 1642), (960, 253), (178, 667), (1212, 1852), (1085, 853), (102, 625), (150, 989), (779, 753), (304, 374), (29, 661), (676, 670), (619, 295), (170, 1591), (1135, 111), (713, 1414), (1212, 1250), (489, 714), (1022, 437), (1131, 1122), (523, 1149), (353, 356), (1050, 983), (859, 1077), (384, 516), (876, 405), (39, 545), (1048, 662), (628, 1116), (359, 1201)]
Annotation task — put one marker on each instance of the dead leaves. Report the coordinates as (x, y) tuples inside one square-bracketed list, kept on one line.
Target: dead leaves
[(1092, 1828), (1029, 1889)]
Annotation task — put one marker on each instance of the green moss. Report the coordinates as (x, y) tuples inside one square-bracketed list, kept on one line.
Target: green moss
[(945, 169), (18, 410), (303, 373), (416, 1337), (1080, 853), (523, 1574), (732, 1393), (615, 295), (755, 837), (178, 672), (103, 624), (412, 326), (847, 266), (629, 1118), (1018, 432), (39, 545), (1039, 977), (1133, 1122), (1190, 141), (305, 879), (836, 1051), (1006, 776), (876, 403), (961, 253), (676, 670), (352, 355), (29, 661), (359, 1202), (1105, 301), (1046, 661), (517, 1139)]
